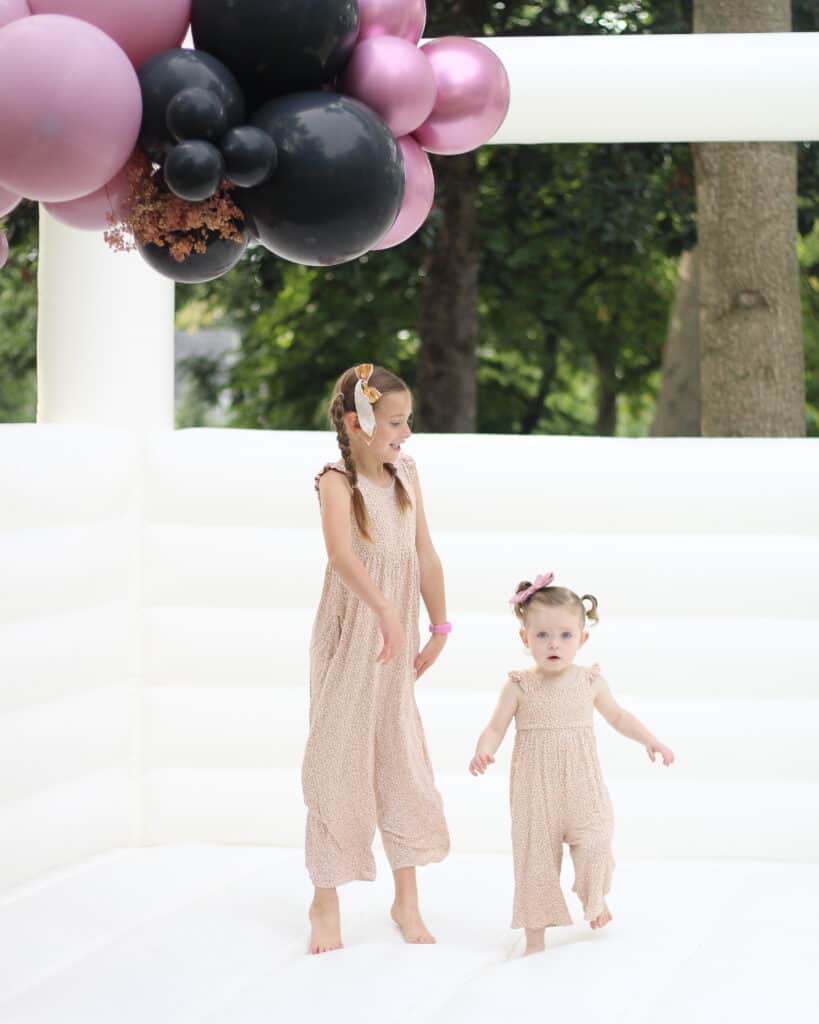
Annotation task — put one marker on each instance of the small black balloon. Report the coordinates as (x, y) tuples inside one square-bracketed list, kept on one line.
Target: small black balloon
[(250, 155), (196, 113), (277, 46), (167, 73), (221, 255), (338, 184), (194, 170)]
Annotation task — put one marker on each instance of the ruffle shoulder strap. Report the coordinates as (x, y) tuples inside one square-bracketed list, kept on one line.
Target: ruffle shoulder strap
[(521, 678), (337, 466)]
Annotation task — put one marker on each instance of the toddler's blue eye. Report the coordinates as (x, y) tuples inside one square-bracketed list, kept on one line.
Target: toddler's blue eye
[(568, 636)]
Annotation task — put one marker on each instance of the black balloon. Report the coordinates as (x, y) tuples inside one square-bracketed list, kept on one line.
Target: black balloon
[(196, 113), (338, 185), (221, 255), (277, 46), (250, 155), (161, 77), (194, 170)]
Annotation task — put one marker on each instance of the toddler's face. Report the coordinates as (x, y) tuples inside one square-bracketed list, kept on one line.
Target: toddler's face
[(553, 636), (392, 415)]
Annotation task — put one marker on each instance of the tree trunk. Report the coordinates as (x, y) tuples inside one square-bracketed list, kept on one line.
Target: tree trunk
[(751, 351), (678, 404), (533, 412), (448, 359), (606, 365)]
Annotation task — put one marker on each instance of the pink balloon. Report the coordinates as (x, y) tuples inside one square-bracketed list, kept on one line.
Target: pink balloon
[(90, 213), (419, 193), (12, 10), (393, 78), (141, 27), (402, 18), (8, 201), (4, 250), (472, 98), (76, 112)]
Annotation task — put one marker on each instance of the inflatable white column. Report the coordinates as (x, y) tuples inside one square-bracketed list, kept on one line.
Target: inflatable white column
[(105, 359), (105, 334)]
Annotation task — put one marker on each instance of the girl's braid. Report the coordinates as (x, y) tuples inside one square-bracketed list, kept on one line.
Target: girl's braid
[(343, 438)]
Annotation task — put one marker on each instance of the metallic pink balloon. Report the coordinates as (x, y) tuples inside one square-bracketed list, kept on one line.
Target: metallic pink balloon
[(402, 18), (8, 201), (12, 10), (393, 78), (419, 194), (76, 112), (472, 98), (91, 212), (4, 250), (141, 27)]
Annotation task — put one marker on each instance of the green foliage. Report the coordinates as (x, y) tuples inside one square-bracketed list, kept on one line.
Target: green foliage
[(18, 318), (809, 262), (578, 250)]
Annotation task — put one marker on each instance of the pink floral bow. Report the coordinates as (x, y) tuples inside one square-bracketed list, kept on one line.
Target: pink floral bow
[(539, 584)]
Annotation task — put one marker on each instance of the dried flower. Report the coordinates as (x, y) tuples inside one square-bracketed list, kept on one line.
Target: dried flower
[(153, 215)]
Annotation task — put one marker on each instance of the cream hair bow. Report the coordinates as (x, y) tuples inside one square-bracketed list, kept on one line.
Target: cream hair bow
[(365, 399)]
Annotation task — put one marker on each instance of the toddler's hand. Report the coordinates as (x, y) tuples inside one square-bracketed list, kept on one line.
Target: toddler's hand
[(430, 651), (480, 762), (666, 753)]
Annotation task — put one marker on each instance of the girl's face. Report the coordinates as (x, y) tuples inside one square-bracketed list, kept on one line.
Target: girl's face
[(553, 636), (392, 415)]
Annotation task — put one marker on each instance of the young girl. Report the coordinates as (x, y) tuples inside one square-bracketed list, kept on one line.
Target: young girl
[(557, 792), (366, 761)]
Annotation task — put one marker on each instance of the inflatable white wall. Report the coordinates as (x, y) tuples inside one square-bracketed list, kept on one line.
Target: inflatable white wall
[(157, 598)]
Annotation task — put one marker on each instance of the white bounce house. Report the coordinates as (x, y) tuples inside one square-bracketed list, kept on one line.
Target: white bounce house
[(156, 600)]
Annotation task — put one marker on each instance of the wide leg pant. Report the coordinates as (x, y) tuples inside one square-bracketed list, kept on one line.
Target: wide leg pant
[(366, 765)]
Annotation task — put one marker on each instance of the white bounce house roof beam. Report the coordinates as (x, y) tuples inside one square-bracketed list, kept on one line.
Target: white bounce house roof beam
[(678, 88)]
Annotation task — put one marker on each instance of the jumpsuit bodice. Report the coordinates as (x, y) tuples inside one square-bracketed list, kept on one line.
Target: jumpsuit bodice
[(562, 700)]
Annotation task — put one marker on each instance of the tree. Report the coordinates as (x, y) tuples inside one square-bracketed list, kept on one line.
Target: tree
[(751, 349), (449, 325), (678, 405)]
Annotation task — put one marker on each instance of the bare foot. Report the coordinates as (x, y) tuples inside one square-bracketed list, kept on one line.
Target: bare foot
[(325, 933), (602, 919), (412, 926), (534, 941)]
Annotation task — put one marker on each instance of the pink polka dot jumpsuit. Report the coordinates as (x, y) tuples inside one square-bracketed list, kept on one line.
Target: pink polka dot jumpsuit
[(557, 796), (366, 761)]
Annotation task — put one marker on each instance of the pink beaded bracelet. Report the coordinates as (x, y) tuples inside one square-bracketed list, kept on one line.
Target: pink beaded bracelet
[(442, 627)]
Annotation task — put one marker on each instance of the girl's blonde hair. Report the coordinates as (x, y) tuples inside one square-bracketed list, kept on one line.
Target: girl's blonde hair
[(343, 401), (557, 597)]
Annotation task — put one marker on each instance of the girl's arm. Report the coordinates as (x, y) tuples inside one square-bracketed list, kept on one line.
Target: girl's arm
[(336, 502), (626, 724), (432, 585), (492, 736)]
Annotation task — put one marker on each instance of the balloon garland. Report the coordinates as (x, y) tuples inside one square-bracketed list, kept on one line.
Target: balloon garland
[(301, 124)]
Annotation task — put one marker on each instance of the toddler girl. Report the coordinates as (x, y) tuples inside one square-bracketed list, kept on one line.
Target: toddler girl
[(557, 791), (366, 760)]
